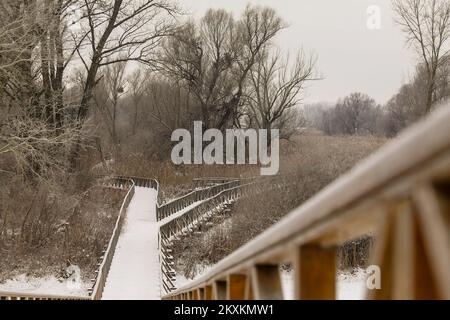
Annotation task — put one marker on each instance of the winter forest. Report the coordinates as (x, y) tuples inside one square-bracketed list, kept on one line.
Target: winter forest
[(91, 89)]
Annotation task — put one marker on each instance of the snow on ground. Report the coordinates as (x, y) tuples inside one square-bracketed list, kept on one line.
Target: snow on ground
[(43, 286), (352, 286), (135, 269), (181, 280), (348, 286)]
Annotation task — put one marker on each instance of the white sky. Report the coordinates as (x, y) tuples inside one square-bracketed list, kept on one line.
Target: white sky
[(351, 57)]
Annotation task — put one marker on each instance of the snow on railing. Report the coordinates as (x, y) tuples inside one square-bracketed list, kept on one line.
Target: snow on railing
[(105, 265), (30, 296), (197, 195), (171, 229), (175, 227), (401, 195), (163, 212)]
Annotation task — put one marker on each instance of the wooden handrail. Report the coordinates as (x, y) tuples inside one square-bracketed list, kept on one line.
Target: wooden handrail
[(176, 205), (401, 195), (170, 230), (105, 265), (31, 296), (102, 273)]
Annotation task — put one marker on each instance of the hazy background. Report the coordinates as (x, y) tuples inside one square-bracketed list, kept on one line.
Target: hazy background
[(351, 57)]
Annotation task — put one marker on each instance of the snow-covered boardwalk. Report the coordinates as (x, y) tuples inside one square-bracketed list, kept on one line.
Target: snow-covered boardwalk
[(135, 269)]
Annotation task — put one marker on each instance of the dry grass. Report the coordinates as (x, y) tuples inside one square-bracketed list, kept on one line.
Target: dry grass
[(174, 180), (310, 162), (43, 228)]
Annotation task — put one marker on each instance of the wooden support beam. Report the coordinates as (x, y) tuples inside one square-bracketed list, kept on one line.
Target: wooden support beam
[(249, 295), (236, 286), (220, 290), (402, 256), (200, 294), (208, 292), (403, 251), (266, 282), (315, 273), (434, 220), (382, 257)]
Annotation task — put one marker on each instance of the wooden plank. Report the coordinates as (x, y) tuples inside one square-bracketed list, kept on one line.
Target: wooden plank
[(403, 253), (236, 286), (434, 224), (266, 282), (425, 287), (381, 257), (315, 273), (249, 294), (208, 292), (201, 294), (219, 290)]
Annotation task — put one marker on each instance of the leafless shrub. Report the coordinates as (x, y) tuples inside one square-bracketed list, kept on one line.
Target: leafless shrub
[(43, 226)]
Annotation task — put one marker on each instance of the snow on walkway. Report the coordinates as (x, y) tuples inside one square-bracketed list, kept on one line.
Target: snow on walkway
[(135, 269), (46, 286)]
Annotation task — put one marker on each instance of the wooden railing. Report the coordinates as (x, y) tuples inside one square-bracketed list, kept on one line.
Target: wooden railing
[(105, 265), (200, 216), (187, 223), (166, 210), (401, 196), (193, 218), (30, 296), (207, 182)]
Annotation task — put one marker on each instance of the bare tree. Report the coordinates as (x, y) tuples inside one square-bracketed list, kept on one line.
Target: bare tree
[(116, 31), (213, 59), (18, 41), (202, 58), (115, 86), (137, 83), (275, 88), (32, 63), (427, 28), (36, 149), (355, 115), (35, 55)]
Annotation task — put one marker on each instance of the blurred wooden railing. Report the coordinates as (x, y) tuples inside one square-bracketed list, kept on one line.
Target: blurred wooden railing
[(401, 196)]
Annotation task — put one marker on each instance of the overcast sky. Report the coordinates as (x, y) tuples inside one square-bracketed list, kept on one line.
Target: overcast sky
[(351, 57)]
